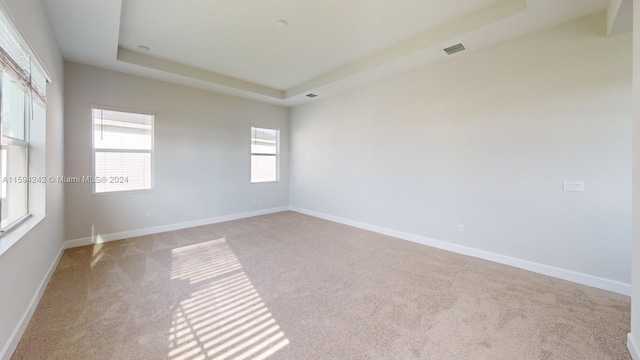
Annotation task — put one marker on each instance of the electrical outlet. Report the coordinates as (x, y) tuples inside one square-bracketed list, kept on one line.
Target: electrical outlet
[(573, 186), (255, 200), (462, 228), (148, 213)]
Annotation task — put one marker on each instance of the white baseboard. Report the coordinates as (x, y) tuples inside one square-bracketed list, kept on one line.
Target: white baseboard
[(17, 333), (564, 274), (569, 275), (163, 228), (633, 349)]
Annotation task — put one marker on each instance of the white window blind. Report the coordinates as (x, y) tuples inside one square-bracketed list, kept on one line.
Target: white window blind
[(123, 150), (23, 95), (264, 154), (17, 59)]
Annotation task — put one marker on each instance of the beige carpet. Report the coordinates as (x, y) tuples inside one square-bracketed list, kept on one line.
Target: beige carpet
[(289, 286)]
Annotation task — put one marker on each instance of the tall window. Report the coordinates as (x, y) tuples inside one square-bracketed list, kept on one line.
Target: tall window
[(23, 84), (264, 154), (122, 150)]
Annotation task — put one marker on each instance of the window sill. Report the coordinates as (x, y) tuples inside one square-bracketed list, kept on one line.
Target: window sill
[(123, 192), (10, 238)]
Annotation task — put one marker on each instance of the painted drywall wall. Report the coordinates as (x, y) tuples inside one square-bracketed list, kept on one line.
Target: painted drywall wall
[(25, 266), (485, 140), (633, 339), (201, 159)]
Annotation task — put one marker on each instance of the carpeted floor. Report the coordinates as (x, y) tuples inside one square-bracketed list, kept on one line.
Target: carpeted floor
[(289, 286)]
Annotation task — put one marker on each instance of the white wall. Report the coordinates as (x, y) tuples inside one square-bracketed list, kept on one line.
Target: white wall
[(25, 266), (486, 140), (202, 154), (633, 342)]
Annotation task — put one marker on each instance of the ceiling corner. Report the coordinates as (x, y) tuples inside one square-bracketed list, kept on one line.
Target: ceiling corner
[(619, 17)]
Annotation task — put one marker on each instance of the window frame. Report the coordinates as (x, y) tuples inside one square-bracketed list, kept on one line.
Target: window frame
[(277, 154), (38, 79), (151, 151), (6, 141)]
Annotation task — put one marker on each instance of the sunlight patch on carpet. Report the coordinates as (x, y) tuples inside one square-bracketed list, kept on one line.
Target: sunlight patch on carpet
[(223, 316)]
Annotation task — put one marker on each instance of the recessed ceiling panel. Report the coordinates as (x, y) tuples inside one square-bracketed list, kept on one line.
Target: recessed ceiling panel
[(278, 51), (249, 40)]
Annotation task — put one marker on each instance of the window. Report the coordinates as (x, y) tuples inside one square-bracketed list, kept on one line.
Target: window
[(14, 154), (122, 150), (22, 102), (264, 154)]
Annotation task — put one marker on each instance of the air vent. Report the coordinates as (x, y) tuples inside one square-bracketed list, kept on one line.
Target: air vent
[(455, 48), (311, 95)]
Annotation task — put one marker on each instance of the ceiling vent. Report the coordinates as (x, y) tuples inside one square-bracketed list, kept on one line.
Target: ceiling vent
[(311, 95), (454, 49)]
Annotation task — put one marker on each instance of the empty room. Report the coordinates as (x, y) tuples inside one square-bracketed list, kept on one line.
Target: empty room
[(296, 179)]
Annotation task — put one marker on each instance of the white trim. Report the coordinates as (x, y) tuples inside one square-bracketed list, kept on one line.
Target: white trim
[(96, 239), (10, 238), (122, 109), (17, 333), (633, 349), (564, 274)]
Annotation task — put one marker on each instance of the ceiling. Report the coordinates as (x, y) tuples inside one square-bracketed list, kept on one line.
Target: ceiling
[(238, 47)]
